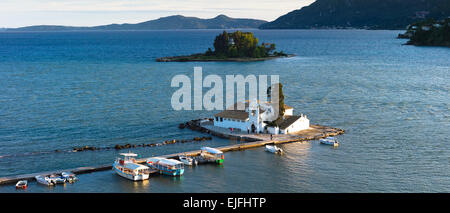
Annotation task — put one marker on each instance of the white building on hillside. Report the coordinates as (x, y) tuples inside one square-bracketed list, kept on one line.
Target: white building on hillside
[(253, 118)]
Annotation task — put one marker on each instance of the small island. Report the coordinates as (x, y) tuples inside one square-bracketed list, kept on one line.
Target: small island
[(428, 33), (237, 46)]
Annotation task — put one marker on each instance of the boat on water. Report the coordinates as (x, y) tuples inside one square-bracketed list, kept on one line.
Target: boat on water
[(70, 177), (187, 160), (44, 180), (329, 141), (128, 168), (273, 149), (166, 166), (22, 184), (57, 179), (212, 155)]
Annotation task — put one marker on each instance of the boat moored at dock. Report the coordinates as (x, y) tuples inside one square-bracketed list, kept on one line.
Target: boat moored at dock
[(22, 184), (57, 179), (44, 180), (69, 177), (208, 154), (128, 168), (187, 160), (329, 141), (166, 166)]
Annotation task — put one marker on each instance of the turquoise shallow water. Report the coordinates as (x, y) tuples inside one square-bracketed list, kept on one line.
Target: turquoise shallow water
[(60, 90)]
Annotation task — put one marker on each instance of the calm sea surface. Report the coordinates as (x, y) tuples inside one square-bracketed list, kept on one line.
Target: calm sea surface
[(67, 89)]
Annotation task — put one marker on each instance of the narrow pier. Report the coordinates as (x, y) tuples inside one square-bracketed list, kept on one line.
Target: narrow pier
[(315, 132)]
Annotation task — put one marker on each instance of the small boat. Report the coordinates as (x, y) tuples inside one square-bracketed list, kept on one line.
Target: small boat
[(57, 179), (44, 180), (128, 168), (187, 160), (22, 184), (209, 154), (70, 177), (329, 141), (166, 166), (273, 149)]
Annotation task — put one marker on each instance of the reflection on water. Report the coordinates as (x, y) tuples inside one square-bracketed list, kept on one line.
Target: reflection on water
[(139, 186)]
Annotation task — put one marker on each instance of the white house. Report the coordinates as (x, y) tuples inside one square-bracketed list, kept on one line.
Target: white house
[(426, 28), (253, 118), (231, 41)]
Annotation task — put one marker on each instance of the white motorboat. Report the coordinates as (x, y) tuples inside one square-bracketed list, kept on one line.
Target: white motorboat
[(57, 179), (70, 177), (329, 141), (273, 149), (187, 160), (22, 184), (44, 180), (128, 168)]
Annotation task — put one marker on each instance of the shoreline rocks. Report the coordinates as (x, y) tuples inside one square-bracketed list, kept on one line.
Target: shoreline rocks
[(128, 146)]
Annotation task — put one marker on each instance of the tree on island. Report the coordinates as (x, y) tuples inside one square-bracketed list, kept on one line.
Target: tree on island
[(241, 44), (237, 46), (281, 107), (221, 43)]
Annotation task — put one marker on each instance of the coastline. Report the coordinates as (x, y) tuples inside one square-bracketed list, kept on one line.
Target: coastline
[(201, 58)]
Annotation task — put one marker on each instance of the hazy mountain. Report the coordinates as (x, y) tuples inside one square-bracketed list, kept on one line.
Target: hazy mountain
[(165, 23), (370, 14)]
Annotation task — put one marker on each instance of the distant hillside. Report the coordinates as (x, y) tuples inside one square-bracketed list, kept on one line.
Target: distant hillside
[(165, 23), (428, 33), (367, 14)]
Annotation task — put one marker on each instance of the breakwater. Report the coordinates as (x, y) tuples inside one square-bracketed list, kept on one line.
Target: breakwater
[(115, 147)]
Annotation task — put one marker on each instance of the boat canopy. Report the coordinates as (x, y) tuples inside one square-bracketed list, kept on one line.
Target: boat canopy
[(212, 150), (128, 154), (171, 162), (135, 166)]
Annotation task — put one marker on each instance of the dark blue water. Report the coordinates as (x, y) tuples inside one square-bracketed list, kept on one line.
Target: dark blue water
[(60, 90)]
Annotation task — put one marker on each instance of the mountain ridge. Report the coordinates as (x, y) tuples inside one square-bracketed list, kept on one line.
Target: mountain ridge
[(362, 14), (164, 23)]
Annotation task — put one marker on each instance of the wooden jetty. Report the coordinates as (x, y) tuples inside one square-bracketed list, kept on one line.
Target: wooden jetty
[(253, 141)]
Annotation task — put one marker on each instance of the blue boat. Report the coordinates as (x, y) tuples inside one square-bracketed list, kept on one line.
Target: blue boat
[(329, 141), (166, 166)]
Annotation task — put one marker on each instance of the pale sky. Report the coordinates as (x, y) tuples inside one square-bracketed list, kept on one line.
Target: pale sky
[(19, 13)]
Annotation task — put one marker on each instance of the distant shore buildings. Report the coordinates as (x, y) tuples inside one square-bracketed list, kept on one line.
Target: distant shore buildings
[(428, 33)]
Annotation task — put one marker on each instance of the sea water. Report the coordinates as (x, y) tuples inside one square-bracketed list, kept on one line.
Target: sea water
[(60, 90)]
